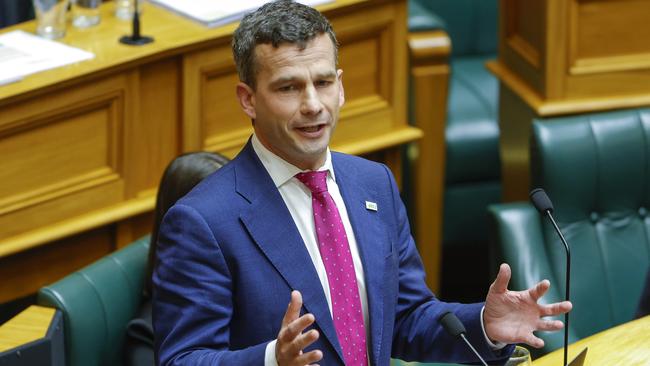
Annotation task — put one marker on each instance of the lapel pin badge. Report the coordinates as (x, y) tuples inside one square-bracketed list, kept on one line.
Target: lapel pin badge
[(372, 206)]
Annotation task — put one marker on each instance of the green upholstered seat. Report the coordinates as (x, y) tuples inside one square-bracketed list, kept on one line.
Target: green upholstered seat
[(472, 168), (421, 19), (596, 170), (97, 302), (471, 24)]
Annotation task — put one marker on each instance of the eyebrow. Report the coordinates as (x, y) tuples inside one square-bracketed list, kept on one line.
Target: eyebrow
[(289, 79)]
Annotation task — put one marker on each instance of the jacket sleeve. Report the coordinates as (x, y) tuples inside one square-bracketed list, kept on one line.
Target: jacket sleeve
[(418, 334), (192, 297)]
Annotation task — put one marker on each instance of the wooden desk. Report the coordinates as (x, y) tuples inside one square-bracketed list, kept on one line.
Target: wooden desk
[(28, 326), (83, 146), (564, 57), (627, 344)]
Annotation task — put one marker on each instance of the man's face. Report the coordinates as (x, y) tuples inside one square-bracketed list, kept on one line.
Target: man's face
[(296, 104)]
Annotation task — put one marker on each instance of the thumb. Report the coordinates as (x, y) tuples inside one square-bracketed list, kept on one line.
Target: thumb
[(500, 284)]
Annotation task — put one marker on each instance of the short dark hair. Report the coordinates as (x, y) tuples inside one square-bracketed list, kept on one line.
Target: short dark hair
[(282, 21)]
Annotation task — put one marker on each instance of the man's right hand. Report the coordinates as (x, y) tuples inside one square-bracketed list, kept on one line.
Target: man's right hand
[(291, 339)]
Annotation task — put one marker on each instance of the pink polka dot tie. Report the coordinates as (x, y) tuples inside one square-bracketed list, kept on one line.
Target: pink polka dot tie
[(335, 252)]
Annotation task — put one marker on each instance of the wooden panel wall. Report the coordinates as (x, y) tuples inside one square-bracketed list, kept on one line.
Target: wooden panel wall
[(522, 40), (576, 49), (63, 154), (429, 52)]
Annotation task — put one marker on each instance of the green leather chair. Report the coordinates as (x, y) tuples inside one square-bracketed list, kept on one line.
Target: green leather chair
[(97, 302), (596, 170), (472, 170)]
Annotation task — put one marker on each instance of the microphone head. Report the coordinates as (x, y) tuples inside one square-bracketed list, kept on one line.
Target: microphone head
[(541, 201), (452, 324)]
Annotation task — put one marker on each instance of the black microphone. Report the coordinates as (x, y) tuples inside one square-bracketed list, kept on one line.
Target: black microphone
[(543, 204), (455, 328), (136, 39)]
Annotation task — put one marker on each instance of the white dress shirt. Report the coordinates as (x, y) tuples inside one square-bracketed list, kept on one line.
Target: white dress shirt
[(297, 197)]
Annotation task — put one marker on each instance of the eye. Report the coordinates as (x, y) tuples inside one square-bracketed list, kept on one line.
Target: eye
[(323, 83), (287, 88)]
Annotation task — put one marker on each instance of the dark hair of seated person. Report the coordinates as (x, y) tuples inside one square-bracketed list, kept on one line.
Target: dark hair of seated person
[(180, 176)]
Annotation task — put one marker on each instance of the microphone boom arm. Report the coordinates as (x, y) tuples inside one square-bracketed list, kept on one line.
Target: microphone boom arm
[(462, 335), (568, 276)]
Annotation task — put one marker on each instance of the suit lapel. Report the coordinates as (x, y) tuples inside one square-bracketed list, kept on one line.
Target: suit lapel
[(270, 224), (370, 235)]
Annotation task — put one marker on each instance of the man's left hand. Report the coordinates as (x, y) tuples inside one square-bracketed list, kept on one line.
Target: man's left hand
[(512, 316)]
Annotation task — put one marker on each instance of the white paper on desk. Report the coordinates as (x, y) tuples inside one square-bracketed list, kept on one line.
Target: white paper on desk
[(22, 54), (213, 13)]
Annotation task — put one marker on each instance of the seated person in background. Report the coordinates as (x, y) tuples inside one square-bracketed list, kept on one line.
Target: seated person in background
[(180, 176), (293, 254), (644, 304)]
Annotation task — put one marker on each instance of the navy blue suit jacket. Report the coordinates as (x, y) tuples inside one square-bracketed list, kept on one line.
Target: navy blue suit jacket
[(229, 255)]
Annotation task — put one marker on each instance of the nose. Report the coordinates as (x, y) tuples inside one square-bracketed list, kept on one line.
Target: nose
[(311, 104)]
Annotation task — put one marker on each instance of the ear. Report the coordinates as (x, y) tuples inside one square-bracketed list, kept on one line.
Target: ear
[(339, 75), (246, 96)]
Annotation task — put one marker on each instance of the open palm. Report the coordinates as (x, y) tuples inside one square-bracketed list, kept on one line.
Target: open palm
[(513, 316)]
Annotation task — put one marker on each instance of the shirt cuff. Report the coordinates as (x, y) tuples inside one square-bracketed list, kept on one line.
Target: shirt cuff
[(269, 354), (495, 346)]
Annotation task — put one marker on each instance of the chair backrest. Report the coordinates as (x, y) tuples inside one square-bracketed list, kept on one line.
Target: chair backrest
[(596, 169), (97, 302), (471, 24)]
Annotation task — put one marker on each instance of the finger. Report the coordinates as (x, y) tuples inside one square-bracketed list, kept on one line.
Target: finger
[(556, 308), (293, 310), (290, 342), (549, 325), (500, 284), (303, 340), (292, 330), (309, 357), (539, 290), (533, 341)]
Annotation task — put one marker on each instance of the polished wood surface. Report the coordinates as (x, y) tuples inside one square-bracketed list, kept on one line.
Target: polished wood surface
[(577, 49), (430, 53), (30, 325), (84, 145), (627, 344), (549, 108), (565, 57)]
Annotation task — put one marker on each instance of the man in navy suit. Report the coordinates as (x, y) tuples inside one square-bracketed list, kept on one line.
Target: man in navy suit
[(244, 272)]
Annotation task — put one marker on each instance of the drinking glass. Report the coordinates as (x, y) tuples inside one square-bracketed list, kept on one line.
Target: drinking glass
[(50, 17), (124, 9), (521, 357), (85, 13)]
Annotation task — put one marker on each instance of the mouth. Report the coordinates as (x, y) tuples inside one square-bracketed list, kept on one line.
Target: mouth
[(311, 129)]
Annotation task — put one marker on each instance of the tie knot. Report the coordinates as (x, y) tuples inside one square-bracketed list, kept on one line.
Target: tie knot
[(315, 181)]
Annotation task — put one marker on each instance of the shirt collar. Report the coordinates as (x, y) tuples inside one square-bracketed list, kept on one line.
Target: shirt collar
[(280, 170)]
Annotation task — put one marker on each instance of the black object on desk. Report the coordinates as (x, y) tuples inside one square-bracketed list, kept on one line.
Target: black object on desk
[(135, 39)]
